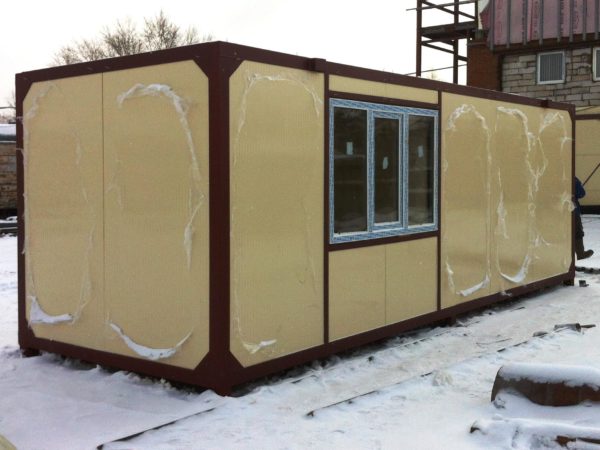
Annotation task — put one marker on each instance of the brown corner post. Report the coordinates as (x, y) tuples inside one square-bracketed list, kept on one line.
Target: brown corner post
[(419, 36), (219, 366), (22, 86)]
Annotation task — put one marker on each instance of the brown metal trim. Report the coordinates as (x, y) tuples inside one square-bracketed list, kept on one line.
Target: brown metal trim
[(240, 53), (439, 203), (419, 37), (122, 63), (573, 151), (242, 375), (547, 44), (391, 78), (383, 77), (587, 116), (382, 241), (326, 174), (191, 52), (382, 100), (219, 362), (505, 97), (296, 359), (510, 294), (22, 88)]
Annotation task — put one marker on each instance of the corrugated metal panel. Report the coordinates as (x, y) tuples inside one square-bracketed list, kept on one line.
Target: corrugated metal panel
[(519, 21)]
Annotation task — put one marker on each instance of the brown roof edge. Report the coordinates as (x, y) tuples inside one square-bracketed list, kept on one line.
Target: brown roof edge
[(242, 52)]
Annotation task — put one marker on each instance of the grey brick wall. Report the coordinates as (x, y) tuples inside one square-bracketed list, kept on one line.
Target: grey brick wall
[(519, 77), (8, 175)]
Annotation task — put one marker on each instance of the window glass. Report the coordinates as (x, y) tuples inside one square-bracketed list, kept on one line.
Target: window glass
[(387, 151), (350, 170), (551, 67), (383, 170), (420, 170)]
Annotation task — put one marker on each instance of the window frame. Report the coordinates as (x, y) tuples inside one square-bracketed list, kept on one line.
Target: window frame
[(564, 67), (387, 229), (595, 74)]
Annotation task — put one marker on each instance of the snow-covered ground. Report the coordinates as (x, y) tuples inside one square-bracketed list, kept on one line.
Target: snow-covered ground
[(429, 387)]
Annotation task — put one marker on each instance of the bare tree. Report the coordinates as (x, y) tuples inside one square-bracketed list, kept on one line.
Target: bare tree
[(8, 113), (84, 50), (122, 39), (159, 33)]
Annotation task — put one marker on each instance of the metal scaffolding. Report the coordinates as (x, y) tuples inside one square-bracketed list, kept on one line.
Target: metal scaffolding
[(446, 37)]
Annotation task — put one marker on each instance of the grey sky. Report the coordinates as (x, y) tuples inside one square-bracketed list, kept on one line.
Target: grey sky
[(379, 34)]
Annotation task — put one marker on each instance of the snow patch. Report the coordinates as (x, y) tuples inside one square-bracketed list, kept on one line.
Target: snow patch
[(570, 375), (535, 434)]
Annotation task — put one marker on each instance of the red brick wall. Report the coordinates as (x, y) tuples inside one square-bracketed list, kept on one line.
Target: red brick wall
[(484, 68)]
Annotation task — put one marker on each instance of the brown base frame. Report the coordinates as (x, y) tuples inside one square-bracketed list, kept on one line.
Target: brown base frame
[(219, 370), (224, 382)]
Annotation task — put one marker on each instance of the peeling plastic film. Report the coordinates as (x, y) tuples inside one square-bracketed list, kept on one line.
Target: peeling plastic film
[(478, 199), (276, 122), (75, 151), (153, 354), (253, 78), (196, 196), (521, 158)]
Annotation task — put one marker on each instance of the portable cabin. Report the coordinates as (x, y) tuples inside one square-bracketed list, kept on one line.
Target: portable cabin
[(215, 213), (587, 160)]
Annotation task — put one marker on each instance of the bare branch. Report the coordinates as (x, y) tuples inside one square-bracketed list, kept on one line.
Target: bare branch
[(160, 33), (122, 40), (66, 55), (88, 50)]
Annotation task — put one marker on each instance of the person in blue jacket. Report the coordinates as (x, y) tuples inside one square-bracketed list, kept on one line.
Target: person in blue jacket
[(580, 251)]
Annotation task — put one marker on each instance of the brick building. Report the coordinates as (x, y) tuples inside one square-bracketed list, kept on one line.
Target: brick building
[(8, 170)]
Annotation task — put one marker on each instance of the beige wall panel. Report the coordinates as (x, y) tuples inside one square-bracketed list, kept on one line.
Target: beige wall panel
[(363, 87), (587, 110), (587, 153), (157, 212), (357, 284), (553, 209), (592, 187), (63, 188), (465, 199), (525, 171), (277, 162), (513, 224), (411, 279)]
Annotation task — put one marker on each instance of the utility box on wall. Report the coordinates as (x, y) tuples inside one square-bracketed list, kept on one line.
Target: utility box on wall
[(214, 213)]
